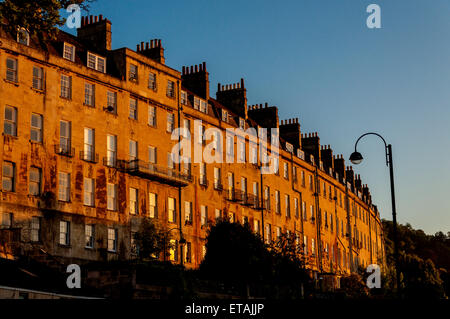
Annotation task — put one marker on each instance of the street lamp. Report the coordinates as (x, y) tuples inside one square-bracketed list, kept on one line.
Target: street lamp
[(356, 158)]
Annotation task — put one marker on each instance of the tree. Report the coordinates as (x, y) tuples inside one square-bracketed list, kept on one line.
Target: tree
[(38, 17), (151, 241)]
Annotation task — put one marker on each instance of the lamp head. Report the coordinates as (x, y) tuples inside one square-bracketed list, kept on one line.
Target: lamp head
[(356, 158)]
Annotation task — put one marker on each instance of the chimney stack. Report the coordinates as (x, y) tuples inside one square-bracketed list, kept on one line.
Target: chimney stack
[(196, 80), (152, 50), (233, 97), (97, 32), (311, 146)]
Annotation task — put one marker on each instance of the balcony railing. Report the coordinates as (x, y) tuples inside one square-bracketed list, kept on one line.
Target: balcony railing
[(89, 156), (234, 195), (64, 150), (154, 172), (251, 200)]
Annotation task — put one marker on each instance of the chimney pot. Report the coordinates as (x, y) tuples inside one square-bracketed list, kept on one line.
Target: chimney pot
[(91, 18), (101, 17)]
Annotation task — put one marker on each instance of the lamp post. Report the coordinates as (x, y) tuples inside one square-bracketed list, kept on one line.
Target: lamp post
[(181, 242), (356, 158)]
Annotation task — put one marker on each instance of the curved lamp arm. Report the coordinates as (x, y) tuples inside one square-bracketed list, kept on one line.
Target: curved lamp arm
[(386, 148)]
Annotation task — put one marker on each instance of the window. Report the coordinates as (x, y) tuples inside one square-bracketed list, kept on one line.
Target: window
[(171, 210), (66, 86), (89, 233), (294, 174), (34, 186), (277, 202), (218, 213), (267, 197), (133, 150), (173, 251), (287, 200), (311, 209), (64, 187), (65, 139), (241, 151), (64, 233), (196, 103), (11, 70), (188, 253), (89, 144), (286, 170), (152, 205), (7, 220), (170, 163), (244, 188), (242, 123), (230, 147), (313, 247), (187, 128), (133, 72), (188, 213), (89, 94), (96, 62), (310, 182), (224, 115), (69, 52), (134, 202), (152, 81), (38, 78), (152, 154), (133, 109), (304, 211), (111, 197), (203, 106), (253, 154), (201, 133), (268, 234), (170, 122), (170, 88), (23, 37), (35, 229), (302, 174), (278, 232), (111, 150), (256, 226), (111, 98), (36, 128), (217, 178), (10, 125), (151, 115), (89, 191), (8, 177), (296, 208), (112, 239), (183, 98), (305, 245), (203, 215)]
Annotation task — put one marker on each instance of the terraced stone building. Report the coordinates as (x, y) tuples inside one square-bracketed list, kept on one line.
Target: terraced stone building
[(86, 153)]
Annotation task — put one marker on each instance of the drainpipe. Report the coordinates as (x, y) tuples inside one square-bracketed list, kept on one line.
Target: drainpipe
[(179, 170)]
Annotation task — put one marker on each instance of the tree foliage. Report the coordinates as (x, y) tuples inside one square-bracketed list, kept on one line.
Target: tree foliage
[(235, 253), (38, 16), (151, 241), (424, 261)]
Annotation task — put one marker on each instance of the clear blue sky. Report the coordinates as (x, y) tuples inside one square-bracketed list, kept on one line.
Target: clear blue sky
[(317, 60)]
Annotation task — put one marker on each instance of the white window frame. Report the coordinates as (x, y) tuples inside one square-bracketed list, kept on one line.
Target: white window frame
[(69, 55), (89, 192), (64, 187), (97, 59)]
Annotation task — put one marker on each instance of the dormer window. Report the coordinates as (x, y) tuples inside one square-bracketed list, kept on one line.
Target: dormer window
[(96, 62), (241, 123), (224, 115), (69, 52), (184, 99), (203, 106), (23, 37)]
